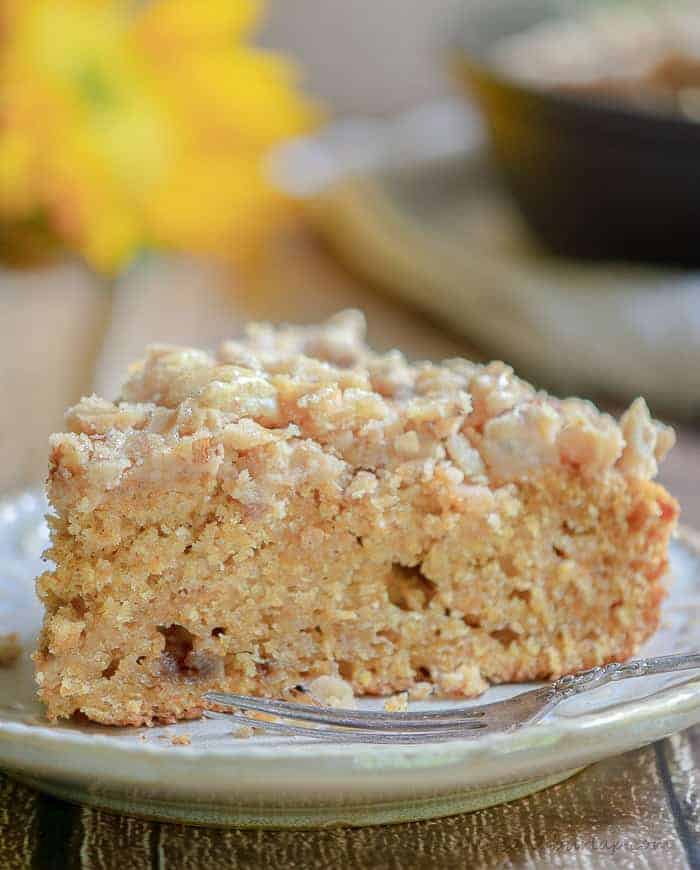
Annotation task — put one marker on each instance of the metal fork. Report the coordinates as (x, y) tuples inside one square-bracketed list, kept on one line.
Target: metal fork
[(434, 726)]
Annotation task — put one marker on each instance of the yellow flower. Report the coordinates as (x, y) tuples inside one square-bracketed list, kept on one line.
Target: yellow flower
[(132, 125)]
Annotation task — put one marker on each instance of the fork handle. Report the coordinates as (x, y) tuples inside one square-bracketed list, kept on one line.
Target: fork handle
[(573, 684)]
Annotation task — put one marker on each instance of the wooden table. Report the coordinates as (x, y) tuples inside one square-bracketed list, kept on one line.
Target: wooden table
[(62, 335)]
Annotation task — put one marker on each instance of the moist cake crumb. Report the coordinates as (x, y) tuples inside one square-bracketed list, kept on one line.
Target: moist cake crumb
[(181, 740), (464, 681), (297, 510)]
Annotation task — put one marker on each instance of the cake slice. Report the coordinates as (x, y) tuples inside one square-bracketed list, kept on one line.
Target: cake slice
[(298, 506)]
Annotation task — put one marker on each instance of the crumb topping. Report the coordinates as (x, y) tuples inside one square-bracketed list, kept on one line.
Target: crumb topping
[(326, 407)]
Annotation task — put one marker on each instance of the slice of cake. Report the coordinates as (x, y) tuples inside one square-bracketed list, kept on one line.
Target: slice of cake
[(298, 506)]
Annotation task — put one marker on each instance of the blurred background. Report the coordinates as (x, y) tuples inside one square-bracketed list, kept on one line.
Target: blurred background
[(365, 58), (511, 179)]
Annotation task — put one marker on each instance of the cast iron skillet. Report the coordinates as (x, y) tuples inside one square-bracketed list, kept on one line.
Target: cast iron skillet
[(592, 177)]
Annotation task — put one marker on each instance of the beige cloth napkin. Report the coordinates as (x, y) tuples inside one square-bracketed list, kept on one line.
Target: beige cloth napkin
[(413, 204)]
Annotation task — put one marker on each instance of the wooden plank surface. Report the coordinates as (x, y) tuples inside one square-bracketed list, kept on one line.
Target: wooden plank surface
[(638, 810), (51, 326)]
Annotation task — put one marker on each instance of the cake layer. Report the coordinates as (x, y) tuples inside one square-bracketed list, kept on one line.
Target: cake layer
[(250, 522)]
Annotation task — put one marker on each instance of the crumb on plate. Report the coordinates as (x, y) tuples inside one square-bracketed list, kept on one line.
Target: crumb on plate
[(332, 692), (244, 732), (397, 703), (10, 649)]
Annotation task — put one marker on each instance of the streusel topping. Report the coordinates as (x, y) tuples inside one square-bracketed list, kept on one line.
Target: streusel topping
[(185, 411)]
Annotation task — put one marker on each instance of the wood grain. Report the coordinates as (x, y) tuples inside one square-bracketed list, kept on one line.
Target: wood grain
[(677, 763), (51, 325), (18, 825)]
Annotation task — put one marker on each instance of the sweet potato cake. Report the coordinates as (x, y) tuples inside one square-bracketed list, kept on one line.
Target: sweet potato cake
[(298, 506)]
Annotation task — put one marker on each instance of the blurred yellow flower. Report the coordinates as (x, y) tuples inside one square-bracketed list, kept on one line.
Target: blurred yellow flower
[(133, 125)]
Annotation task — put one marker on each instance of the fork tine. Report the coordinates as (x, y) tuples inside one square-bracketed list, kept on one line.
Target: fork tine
[(353, 735), (525, 708), (281, 728), (350, 718)]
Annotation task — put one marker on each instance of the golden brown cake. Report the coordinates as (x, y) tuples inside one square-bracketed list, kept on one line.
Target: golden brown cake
[(298, 506)]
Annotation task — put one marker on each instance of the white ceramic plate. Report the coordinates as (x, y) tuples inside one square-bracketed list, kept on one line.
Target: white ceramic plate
[(273, 782)]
